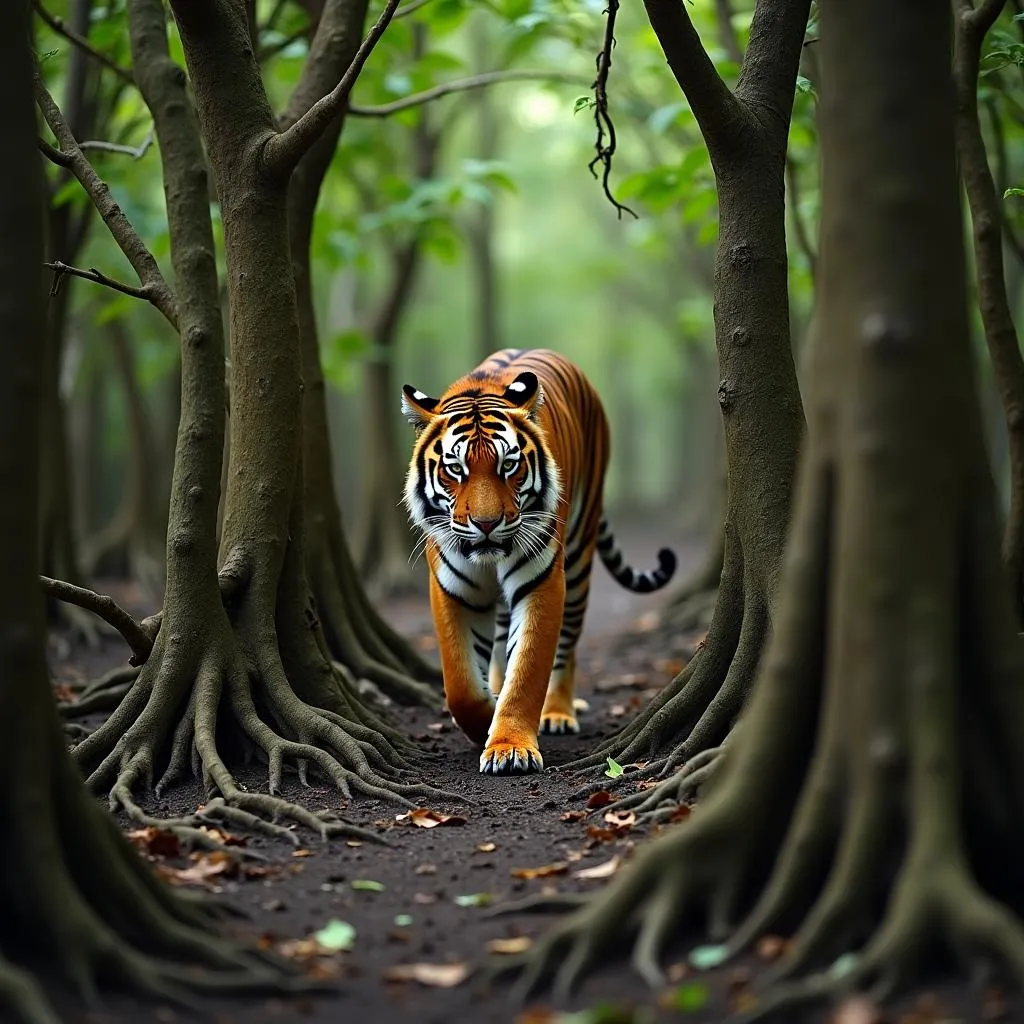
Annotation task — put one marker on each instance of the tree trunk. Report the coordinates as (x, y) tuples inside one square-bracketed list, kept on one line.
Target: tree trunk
[(135, 536), (875, 787), (236, 651), (987, 218), (746, 134), (355, 632), (79, 906)]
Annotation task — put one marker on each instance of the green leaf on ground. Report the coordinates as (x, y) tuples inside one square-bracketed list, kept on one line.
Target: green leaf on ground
[(844, 965), (336, 936), (690, 998), (614, 768), (403, 920), (367, 885), (704, 958), (474, 899)]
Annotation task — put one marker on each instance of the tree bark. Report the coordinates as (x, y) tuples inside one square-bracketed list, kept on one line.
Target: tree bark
[(355, 632), (972, 24), (80, 907), (874, 788), (746, 133), (241, 647)]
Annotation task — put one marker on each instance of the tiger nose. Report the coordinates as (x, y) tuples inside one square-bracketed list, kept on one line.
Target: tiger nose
[(485, 526)]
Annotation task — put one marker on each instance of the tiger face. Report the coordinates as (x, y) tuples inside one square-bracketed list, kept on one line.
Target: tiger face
[(482, 483)]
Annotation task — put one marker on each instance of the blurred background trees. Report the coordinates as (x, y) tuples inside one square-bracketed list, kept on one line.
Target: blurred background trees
[(444, 229)]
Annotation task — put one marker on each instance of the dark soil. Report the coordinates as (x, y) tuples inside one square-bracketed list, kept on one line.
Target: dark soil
[(511, 824)]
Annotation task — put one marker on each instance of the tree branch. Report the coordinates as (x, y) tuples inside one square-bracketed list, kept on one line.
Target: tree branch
[(772, 60), (726, 31), (417, 99), (154, 286), (135, 152), (716, 110), (410, 8), (62, 28), (97, 277), (284, 150), (138, 639), (803, 238)]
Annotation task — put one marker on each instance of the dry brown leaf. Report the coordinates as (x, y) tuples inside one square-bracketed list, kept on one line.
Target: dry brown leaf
[(509, 947), (433, 975), (605, 870), (224, 838), (302, 853), (599, 799), (425, 869), (424, 898), (646, 623), (426, 818), (573, 816), (857, 1010), (486, 847), (560, 867), (617, 710), (596, 834), (624, 820), (681, 813), (771, 947), (354, 842), (156, 842), (205, 867)]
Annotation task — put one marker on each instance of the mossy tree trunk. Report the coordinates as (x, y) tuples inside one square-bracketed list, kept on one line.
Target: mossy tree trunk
[(972, 24), (746, 133), (79, 906), (239, 661), (356, 634), (870, 801)]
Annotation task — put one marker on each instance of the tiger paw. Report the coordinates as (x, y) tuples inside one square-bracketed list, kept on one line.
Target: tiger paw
[(557, 723), (510, 759)]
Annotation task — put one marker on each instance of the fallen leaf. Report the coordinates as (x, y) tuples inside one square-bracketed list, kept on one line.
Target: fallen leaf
[(302, 853), (486, 847), (426, 818), (689, 998), (432, 975), (771, 947), (614, 769), (424, 898), (704, 958), (573, 816), (620, 819), (579, 704), (425, 869), (366, 885), (353, 842), (157, 842), (204, 868), (596, 834), (545, 871), (437, 726), (335, 936), (856, 1010), (508, 947), (605, 870), (646, 623), (617, 710), (403, 920), (474, 899), (681, 813), (224, 838), (599, 799)]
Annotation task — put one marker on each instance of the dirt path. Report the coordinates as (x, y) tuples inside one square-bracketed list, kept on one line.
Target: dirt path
[(421, 899)]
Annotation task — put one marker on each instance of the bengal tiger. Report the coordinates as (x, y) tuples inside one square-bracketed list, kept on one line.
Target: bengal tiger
[(506, 484)]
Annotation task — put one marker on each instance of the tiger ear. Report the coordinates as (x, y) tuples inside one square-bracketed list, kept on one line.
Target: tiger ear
[(417, 407), (525, 391)]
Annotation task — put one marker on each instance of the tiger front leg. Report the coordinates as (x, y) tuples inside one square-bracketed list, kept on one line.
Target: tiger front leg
[(464, 634), (533, 639)]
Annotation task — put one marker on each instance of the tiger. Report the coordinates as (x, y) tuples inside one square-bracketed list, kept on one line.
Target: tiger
[(506, 485)]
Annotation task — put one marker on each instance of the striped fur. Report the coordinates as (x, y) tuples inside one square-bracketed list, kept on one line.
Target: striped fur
[(506, 483)]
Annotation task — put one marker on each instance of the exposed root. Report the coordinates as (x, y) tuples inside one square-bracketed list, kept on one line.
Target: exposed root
[(539, 903), (23, 997), (173, 714), (680, 788)]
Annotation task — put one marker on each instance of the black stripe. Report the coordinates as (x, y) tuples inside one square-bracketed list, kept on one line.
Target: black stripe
[(462, 600), (455, 572), (530, 585)]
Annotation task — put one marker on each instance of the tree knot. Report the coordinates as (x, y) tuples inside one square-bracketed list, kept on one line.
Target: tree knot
[(885, 333), (741, 256), (727, 392), (740, 337)]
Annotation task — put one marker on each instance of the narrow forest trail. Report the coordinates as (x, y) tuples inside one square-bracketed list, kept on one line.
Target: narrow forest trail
[(423, 899)]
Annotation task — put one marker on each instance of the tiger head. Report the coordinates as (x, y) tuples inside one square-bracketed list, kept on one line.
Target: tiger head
[(482, 482)]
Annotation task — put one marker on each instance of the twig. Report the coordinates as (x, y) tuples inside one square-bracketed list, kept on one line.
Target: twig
[(154, 287), (410, 8), (135, 152), (285, 149), (61, 28), (803, 238), (266, 52), (417, 99), (602, 118), (107, 609), (60, 270)]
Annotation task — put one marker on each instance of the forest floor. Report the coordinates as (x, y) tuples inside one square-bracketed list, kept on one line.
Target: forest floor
[(420, 906)]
